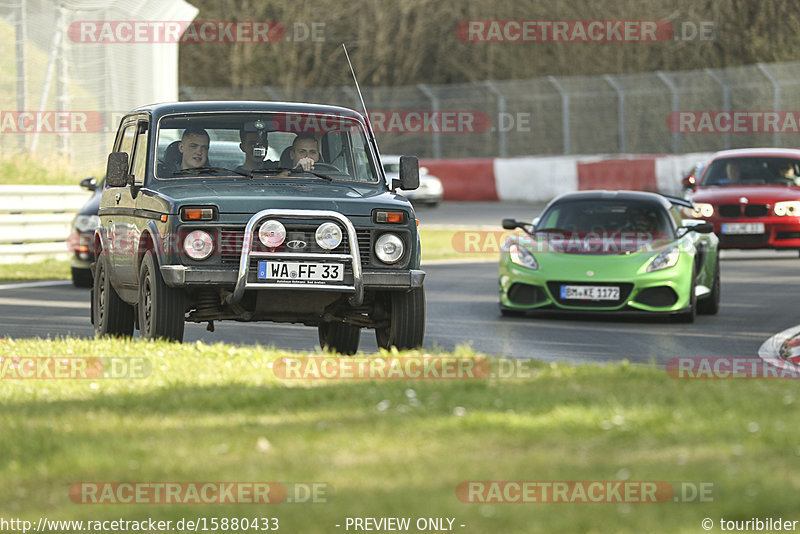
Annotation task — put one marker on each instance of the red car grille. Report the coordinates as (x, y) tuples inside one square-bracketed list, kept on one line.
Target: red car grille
[(746, 210)]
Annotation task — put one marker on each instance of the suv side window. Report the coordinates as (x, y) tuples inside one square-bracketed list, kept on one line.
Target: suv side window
[(140, 152), (127, 139)]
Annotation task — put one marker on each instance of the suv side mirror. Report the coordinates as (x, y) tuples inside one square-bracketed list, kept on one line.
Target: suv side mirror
[(89, 183), (117, 169), (409, 173)]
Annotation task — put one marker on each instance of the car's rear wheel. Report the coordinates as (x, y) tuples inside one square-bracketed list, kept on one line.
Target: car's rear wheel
[(161, 308), (710, 304), (111, 315), (82, 277), (406, 328), (339, 337)]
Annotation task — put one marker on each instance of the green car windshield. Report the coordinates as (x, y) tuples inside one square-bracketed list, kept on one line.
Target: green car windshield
[(264, 145), (599, 226)]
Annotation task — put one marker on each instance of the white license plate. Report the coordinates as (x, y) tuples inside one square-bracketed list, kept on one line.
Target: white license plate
[(300, 272), (589, 292), (743, 228)]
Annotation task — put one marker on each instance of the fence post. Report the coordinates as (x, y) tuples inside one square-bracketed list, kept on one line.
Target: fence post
[(564, 112), (726, 102), (623, 141), (52, 60), (676, 136), (501, 110), (776, 98), (19, 37), (437, 142)]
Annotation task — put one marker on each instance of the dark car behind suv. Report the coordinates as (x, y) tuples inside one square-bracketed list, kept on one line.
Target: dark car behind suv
[(80, 238)]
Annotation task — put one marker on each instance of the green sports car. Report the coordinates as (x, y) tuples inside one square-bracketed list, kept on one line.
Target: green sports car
[(611, 251)]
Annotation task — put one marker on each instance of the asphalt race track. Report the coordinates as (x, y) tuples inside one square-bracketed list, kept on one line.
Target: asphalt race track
[(759, 296)]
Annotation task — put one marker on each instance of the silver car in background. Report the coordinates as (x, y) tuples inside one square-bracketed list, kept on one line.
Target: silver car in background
[(430, 187)]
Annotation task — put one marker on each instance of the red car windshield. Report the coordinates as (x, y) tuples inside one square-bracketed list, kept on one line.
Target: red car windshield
[(752, 171)]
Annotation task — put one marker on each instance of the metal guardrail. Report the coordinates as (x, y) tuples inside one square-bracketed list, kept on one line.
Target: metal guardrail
[(35, 221)]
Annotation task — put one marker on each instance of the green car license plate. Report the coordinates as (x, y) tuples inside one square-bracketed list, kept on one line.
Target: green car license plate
[(589, 292)]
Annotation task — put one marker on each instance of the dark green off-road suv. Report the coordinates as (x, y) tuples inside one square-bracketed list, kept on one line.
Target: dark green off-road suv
[(256, 211)]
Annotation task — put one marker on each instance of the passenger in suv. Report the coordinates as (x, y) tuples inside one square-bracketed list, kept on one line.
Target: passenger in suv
[(194, 148)]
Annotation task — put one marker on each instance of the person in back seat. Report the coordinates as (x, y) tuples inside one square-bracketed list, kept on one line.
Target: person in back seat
[(249, 139)]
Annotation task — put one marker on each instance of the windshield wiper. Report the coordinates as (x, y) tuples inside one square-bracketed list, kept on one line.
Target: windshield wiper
[(206, 170), (279, 170), (317, 174)]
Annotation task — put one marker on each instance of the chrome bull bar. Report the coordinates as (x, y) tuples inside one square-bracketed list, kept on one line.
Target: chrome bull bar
[(247, 252)]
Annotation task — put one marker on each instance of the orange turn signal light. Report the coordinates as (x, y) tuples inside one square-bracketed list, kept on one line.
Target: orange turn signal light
[(390, 217), (197, 214)]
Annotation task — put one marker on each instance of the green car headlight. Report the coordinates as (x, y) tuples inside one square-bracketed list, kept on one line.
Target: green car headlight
[(522, 257), (790, 208), (666, 259)]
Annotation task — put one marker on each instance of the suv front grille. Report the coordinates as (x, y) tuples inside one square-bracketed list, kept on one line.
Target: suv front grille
[(230, 243)]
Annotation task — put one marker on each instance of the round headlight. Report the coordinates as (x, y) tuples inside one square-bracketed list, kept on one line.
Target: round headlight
[(389, 248), (198, 245), (272, 234), (329, 235)]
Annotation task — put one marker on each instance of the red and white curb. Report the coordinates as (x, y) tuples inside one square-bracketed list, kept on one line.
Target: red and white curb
[(542, 178)]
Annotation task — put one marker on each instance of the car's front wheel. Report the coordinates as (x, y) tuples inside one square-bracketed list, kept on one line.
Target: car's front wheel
[(111, 315), (339, 337), (406, 328), (689, 315), (161, 308), (710, 304)]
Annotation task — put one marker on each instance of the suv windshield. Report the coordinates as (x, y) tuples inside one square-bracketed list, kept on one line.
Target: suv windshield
[(260, 144), (753, 170)]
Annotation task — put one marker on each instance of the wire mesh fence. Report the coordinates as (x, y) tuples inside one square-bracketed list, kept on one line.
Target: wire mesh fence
[(63, 89), (650, 113), (64, 84)]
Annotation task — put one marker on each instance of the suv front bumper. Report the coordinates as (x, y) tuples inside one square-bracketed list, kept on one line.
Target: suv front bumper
[(181, 275)]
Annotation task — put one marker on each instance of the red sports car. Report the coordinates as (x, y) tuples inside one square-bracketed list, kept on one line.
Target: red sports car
[(752, 197)]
